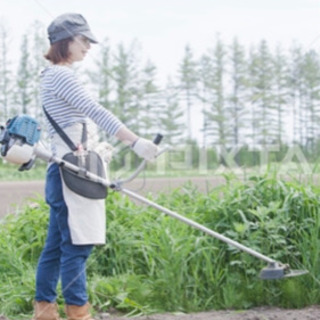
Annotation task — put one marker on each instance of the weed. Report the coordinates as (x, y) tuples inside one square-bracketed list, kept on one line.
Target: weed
[(152, 262)]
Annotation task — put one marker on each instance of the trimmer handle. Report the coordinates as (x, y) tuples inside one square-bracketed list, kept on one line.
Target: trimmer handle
[(157, 139)]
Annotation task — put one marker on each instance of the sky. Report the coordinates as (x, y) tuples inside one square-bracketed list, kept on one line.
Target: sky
[(164, 27)]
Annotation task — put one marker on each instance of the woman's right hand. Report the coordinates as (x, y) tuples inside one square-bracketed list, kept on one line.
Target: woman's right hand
[(145, 149)]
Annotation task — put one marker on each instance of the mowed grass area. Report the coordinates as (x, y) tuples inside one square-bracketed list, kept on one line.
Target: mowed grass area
[(154, 263)]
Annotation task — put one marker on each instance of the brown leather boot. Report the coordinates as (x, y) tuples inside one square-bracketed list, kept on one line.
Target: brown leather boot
[(74, 312), (45, 311)]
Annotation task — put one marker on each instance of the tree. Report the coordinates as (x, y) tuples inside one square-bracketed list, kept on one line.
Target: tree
[(38, 47), (236, 99), (150, 101), (126, 77), (203, 93), (5, 74), (281, 93), (24, 79), (216, 115), (311, 79), (188, 82), (296, 92), (170, 118), (262, 96), (102, 78)]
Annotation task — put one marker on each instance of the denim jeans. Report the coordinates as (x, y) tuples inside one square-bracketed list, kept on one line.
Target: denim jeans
[(60, 258)]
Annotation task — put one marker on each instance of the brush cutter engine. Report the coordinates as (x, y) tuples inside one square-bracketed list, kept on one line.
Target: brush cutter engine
[(18, 138)]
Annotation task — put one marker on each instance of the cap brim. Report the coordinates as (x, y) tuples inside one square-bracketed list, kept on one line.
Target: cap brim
[(89, 36)]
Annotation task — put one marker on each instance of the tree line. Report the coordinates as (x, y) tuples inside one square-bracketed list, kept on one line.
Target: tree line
[(247, 98)]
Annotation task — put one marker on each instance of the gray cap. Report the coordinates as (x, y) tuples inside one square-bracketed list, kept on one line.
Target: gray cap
[(69, 25)]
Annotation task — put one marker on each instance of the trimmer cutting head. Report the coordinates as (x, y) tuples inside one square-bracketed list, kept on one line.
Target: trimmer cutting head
[(277, 270)]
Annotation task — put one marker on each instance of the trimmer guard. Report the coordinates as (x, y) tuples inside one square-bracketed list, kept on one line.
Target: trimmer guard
[(277, 270)]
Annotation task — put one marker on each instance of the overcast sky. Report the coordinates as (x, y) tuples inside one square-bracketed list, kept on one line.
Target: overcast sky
[(164, 27)]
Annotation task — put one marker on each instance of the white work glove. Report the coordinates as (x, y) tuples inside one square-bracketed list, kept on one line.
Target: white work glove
[(145, 149)]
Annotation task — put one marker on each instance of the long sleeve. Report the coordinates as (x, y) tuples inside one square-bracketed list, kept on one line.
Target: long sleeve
[(67, 101)]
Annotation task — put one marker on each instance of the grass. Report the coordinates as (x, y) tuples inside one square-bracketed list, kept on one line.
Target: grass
[(153, 263)]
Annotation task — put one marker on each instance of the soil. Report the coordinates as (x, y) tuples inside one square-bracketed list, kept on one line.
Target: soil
[(14, 195), (310, 313)]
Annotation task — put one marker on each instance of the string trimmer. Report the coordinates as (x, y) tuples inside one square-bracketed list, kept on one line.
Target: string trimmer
[(20, 145)]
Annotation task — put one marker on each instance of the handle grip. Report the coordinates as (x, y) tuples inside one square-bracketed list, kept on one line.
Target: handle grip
[(117, 185), (157, 139)]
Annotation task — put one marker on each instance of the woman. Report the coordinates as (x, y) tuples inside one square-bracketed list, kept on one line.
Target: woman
[(76, 223)]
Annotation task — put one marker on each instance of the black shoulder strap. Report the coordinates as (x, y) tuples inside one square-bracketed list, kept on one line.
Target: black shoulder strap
[(64, 136)]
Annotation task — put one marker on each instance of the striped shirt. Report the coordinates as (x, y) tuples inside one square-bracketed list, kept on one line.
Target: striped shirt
[(67, 102)]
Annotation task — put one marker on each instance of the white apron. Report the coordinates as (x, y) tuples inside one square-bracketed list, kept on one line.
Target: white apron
[(86, 217)]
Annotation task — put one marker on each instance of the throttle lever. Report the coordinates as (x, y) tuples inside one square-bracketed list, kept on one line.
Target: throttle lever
[(157, 139), (118, 184)]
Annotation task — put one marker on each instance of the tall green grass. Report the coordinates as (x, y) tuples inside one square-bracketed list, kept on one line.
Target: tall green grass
[(153, 263)]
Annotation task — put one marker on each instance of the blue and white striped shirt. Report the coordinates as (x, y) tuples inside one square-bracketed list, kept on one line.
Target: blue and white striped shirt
[(67, 102)]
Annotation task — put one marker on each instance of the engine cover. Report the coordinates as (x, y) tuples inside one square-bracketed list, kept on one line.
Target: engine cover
[(18, 138), (24, 127)]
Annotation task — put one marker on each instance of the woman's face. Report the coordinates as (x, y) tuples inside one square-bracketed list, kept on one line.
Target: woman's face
[(78, 48)]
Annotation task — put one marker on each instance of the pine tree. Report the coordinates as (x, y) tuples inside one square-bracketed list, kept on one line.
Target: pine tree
[(311, 72), (101, 83), (262, 98), (203, 94), (170, 118), (126, 77), (24, 80), (103, 77), (151, 99), (281, 93), (38, 46), (216, 115), (296, 92), (236, 99), (188, 82), (5, 75)]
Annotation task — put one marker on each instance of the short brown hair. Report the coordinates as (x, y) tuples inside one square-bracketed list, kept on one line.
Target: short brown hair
[(59, 51)]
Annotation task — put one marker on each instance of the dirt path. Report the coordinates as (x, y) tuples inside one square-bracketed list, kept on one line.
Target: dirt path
[(15, 194), (310, 313)]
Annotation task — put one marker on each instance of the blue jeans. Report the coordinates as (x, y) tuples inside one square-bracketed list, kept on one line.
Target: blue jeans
[(60, 258)]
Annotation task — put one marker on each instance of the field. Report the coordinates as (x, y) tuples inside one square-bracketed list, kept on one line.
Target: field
[(22, 190), (14, 194)]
